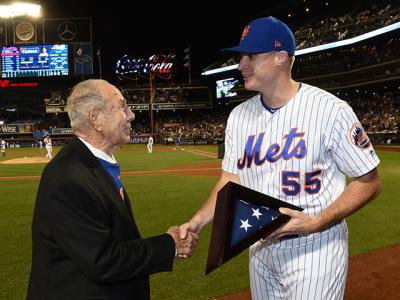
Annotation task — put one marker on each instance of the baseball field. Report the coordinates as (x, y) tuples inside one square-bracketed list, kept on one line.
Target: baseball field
[(166, 188)]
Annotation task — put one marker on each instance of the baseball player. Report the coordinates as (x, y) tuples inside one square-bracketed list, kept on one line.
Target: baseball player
[(3, 147), (178, 141), (297, 143), (150, 145), (49, 147)]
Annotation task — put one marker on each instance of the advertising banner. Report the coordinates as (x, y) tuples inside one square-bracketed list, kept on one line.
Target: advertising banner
[(16, 128)]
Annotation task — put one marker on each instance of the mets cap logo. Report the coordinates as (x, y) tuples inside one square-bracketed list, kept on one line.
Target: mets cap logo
[(359, 137), (245, 32)]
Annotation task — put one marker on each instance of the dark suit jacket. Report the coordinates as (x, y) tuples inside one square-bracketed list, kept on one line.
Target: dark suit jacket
[(85, 243)]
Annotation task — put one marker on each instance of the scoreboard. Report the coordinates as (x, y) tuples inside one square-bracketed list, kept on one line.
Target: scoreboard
[(34, 61)]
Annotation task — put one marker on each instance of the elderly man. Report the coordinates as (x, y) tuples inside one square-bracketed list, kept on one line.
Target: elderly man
[(85, 242)]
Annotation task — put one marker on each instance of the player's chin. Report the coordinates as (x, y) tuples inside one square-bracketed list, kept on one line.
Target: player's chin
[(249, 84)]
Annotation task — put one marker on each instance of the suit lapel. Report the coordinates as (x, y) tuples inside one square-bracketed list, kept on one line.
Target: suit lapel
[(104, 179), (128, 205)]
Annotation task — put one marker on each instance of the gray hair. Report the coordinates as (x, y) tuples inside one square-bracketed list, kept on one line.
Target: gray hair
[(84, 96)]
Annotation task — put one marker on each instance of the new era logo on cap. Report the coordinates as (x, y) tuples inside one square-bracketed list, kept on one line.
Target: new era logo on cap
[(265, 35)]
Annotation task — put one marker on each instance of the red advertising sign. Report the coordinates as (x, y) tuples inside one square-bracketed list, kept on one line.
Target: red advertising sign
[(5, 83)]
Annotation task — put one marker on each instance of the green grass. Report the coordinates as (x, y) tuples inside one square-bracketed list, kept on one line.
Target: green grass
[(160, 201), (376, 225)]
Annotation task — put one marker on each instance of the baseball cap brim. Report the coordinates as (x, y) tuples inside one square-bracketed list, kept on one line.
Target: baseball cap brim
[(244, 49)]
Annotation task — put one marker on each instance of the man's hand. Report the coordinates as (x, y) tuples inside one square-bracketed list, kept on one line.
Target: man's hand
[(300, 223), (184, 246)]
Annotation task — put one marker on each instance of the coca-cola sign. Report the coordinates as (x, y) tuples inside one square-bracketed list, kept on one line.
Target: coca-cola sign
[(159, 64)]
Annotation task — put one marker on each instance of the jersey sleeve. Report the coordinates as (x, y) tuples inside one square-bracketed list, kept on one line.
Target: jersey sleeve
[(230, 157), (351, 147)]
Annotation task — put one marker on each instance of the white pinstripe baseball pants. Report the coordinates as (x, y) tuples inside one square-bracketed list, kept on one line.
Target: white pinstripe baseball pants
[(305, 268)]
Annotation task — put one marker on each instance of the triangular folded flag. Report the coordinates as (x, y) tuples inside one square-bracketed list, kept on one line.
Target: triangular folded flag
[(242, 217)]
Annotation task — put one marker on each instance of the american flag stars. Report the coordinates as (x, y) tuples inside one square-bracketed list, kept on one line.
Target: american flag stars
[(245, 224), (248, 218)]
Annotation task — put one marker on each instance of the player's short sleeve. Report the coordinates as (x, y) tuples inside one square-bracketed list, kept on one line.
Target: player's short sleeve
[(229, 163), (350, 145)]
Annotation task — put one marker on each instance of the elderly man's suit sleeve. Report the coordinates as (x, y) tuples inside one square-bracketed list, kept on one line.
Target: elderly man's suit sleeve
[(81, 226)]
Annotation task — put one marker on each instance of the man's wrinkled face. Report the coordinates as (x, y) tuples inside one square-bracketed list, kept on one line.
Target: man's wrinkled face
[(117, 117)]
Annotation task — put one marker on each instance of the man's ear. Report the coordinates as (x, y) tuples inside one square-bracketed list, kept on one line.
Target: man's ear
[(281, 57), (95, 120)]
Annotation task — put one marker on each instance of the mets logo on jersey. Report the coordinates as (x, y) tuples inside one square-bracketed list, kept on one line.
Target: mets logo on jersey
[(359, 137), (293, 147)]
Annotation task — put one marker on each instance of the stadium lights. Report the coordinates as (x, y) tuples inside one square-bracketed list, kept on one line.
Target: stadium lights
[(19, 9), (342, 43), (350, 41), (219, 70)]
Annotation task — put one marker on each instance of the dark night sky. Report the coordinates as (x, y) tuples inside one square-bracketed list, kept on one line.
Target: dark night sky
[(168, 27)]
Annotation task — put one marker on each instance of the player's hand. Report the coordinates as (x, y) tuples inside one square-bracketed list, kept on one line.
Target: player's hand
[(188, 229), (300, 223), (190, 226), (186, 246)]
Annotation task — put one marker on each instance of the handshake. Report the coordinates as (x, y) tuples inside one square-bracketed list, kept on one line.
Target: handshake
[(185, 240)]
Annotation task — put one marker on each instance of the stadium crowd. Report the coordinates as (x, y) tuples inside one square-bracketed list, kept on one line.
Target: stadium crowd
[(323, 31), (355, 23), (378, 112), (202, 127), (375, 54)]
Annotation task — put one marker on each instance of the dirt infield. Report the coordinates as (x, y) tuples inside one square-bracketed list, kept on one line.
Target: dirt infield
[(388, 148), (26, 160), (205, 169), (372, 276)]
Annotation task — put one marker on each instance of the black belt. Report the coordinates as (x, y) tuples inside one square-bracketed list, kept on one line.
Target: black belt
[(289, 237)]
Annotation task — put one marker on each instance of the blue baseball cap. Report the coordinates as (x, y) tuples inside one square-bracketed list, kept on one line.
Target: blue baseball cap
[(266, 35)]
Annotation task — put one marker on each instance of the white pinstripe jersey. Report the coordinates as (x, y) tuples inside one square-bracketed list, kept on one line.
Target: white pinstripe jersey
[(302, 152)]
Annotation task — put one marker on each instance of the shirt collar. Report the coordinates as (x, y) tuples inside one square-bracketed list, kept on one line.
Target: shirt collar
[(98, 153)]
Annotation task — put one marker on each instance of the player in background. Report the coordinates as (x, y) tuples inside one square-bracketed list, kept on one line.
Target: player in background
[(3, 147), (49, 147), (150, 145), (298, 143), (178, 141)]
